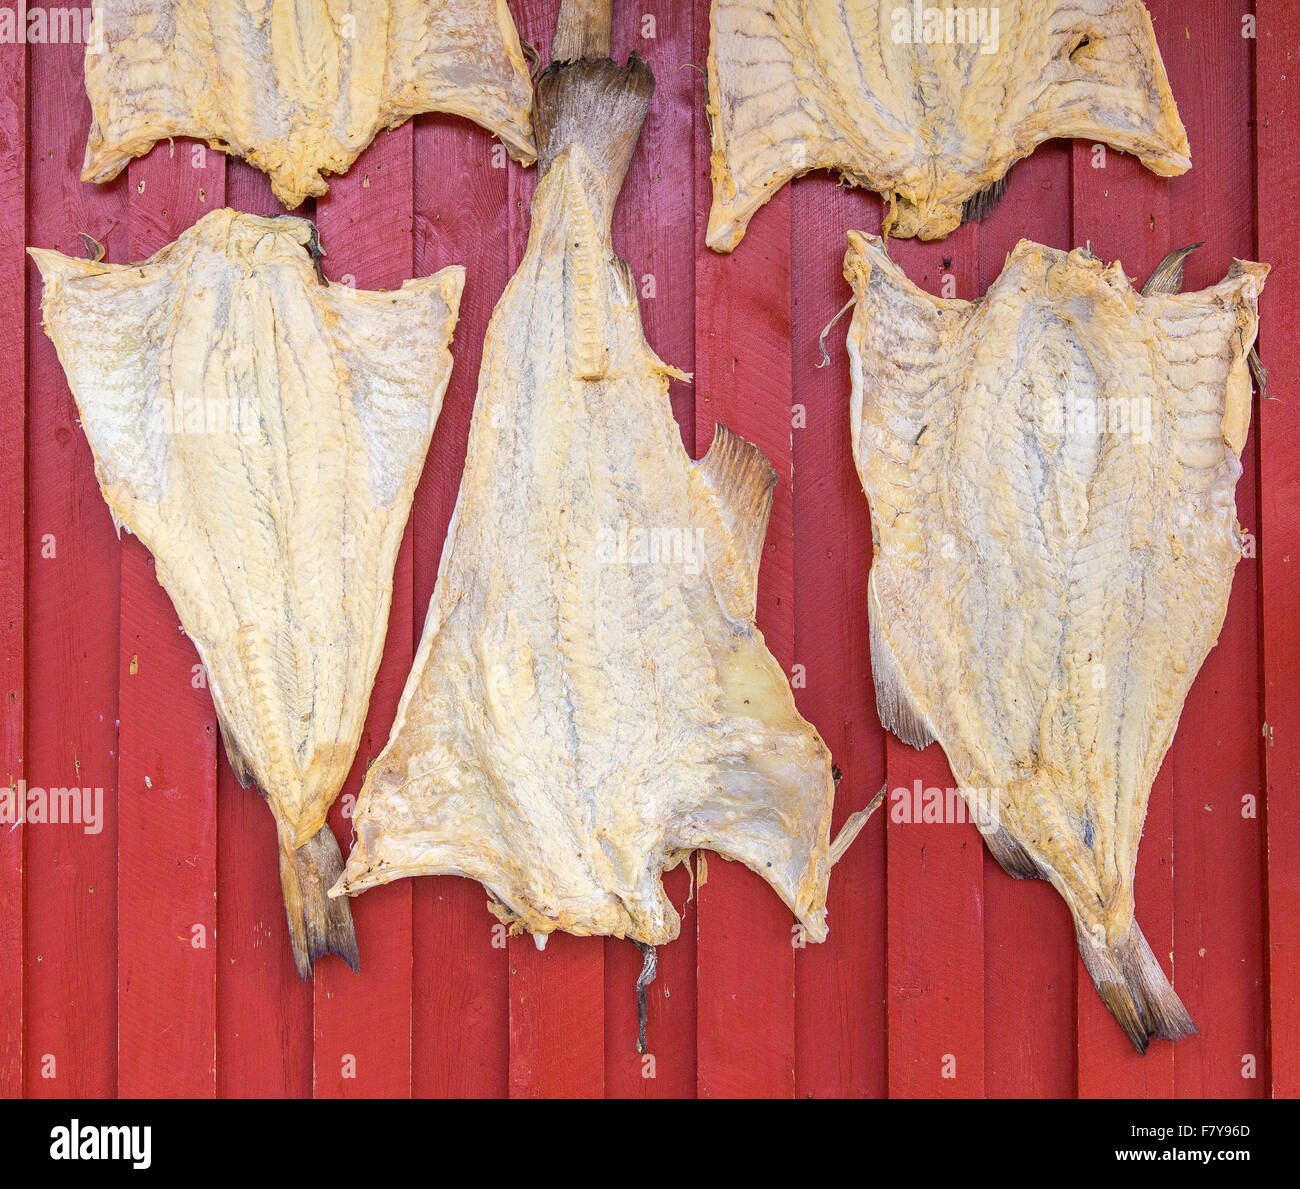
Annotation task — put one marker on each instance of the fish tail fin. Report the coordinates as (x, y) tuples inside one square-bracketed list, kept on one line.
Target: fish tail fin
[(1134, 988), (317, 924), (1011, 854), (595, 103)]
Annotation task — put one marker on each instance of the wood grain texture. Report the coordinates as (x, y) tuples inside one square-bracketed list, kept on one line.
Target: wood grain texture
[(461, 980), (1216, 756), (166, 846), (362, 1022), (13, 578), (1277, 147), (743, 379), (73, 563), (840, 993)]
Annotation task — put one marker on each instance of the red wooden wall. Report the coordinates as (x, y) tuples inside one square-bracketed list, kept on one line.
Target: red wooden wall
[(152, 958)]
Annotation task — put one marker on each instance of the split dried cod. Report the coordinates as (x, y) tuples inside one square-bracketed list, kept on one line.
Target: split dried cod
[(297, 89), (262, 434), (1051, 473), (591, 700), (930, 115)]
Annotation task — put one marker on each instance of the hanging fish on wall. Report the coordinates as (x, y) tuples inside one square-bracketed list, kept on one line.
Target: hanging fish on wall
[(927, 105), (1051, 472), (262, 434), (591, 699), (297, 89)]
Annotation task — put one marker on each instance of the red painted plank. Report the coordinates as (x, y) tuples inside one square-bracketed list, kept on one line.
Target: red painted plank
[(1029, 949), (840, 1039), (557, 1001), (363, 1021), (743, 376), (461, 1038), (654, 230), (1216, 755), (73, 559), (264, 1010), (936, 869), (166, 852), (13, 428), (1277, 145)]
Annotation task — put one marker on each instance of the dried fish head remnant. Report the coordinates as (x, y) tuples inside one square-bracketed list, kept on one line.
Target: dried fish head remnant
[(591, 700), (1053, 554), (298, 89), (262, 434), (928, 105)]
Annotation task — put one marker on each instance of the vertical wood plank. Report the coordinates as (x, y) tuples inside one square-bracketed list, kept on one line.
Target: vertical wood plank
[(1277, 146), (1029, 949), (362, 1045), (461, 979), (73, 564), (166, 852), (745, 955), (1216, 754), (840, 1037), (264, 1010), (654, 230), (13, 552), (935, 870), (557, 999)]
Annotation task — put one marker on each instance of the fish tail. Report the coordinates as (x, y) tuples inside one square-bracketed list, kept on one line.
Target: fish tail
[(595, 103), (317, 924), (1134, 988)]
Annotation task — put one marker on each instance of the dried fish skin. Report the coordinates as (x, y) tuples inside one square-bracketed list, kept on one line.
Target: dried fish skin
[(1048, 578), (586, 706), (262, 434), (298, 89), (928, 117)]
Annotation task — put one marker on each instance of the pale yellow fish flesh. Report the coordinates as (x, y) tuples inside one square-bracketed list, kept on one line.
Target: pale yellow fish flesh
[(1051, 473), (297, 88), (591, 699), (262, 434), (929, 105)]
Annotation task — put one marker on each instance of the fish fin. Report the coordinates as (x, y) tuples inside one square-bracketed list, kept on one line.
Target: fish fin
[(1011, 855), (317, 924), (1167, 276), (1134, 988), (597, 104), (582, 30), (893, 705), (738, 482), (853, 824), (239, 764), (979, 207)]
